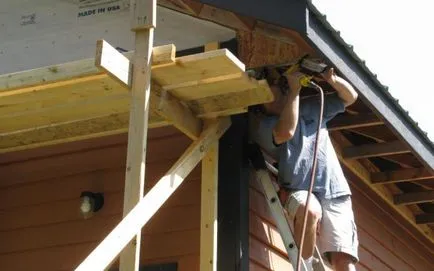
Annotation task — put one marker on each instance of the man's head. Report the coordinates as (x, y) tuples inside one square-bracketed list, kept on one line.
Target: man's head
[(276, 106)]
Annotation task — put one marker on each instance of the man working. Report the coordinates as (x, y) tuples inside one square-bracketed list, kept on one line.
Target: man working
[(286, 130)]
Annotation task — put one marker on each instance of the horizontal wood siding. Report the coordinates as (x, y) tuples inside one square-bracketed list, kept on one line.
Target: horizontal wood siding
[(381, 246), (41, 227)]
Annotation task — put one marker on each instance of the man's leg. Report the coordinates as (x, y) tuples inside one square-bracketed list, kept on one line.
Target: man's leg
[(342, 262), (295, 206), (338, 234)]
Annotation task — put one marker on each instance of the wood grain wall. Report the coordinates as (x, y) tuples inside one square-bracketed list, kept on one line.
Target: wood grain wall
[(40, 224), (41, 227), (383, 246)]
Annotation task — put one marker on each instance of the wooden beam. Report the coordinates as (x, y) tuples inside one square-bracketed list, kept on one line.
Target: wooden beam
[(191, 6), (402, 175), (225, 18), (413, 198), (339, 143), (379, 133), (185, 6), (424, 219), (208, 218), (209, 107), (343, 122), (143, 20), (118, 238), (176, 113), (376, 149)]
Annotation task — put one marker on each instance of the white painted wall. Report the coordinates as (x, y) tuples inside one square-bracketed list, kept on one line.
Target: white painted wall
[(46, 32)]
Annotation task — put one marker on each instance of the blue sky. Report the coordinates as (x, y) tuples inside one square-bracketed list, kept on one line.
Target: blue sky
[(395, 39)]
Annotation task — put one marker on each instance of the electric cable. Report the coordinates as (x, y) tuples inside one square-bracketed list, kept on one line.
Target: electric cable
[(314, 162)]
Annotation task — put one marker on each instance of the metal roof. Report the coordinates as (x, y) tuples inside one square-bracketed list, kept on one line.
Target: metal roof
[(350, 49)]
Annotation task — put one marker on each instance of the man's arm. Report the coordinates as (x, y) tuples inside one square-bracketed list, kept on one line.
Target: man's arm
[(344, 89), (287, 124)]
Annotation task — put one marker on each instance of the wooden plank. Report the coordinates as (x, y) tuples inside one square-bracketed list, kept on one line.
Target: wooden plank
[(385, 254), (373, 150), (268, 257), (424, 219), (208, 218), (343, 122), (163, 55), (58, 75), (99, 107), (371, 261), (71, 131), (143, 21), (111, 61), (146, 208), (212, 64), (361, 172), (388, 232), (55, 235), (414, 198), (225, 103), (34, 98), (402, 175), (68, 164), (211, 87), (23, 199), (266, 233)]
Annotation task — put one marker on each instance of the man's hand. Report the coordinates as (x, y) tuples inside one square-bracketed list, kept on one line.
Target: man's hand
[(329, 76), (294, 82), (344, 89)]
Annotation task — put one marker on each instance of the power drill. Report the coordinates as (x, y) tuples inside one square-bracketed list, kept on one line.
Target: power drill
[(305, 65)]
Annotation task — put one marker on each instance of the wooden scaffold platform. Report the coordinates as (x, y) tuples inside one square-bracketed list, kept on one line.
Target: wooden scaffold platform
[(115, 93)]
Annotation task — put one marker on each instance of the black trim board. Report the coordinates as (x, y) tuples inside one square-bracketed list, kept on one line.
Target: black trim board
[(285, 13), (372, 92), (233, 198)]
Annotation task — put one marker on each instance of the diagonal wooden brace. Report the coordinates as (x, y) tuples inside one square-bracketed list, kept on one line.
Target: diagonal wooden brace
[(118, 238), (119, 67)]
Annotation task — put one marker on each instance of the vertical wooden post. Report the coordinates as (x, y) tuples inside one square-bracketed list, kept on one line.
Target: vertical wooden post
[(208, 202), (208, 220), (143, 18)]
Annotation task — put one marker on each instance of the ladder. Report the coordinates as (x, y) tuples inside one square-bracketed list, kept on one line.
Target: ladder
[(262, 169)]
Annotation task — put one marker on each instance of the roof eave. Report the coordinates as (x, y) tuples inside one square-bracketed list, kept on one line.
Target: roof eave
[(321, 35)]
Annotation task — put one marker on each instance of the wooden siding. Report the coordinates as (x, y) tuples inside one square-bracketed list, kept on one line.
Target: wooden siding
[(382, 245), (41, 227)]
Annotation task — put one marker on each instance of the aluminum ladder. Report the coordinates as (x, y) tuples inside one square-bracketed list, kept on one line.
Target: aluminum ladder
[(263, 169)]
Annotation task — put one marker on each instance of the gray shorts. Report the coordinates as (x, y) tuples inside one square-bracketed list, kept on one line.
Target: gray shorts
[(337, 229)]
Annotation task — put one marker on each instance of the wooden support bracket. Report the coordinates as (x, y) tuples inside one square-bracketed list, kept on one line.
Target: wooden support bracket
[(118, 238), (163, 103)]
